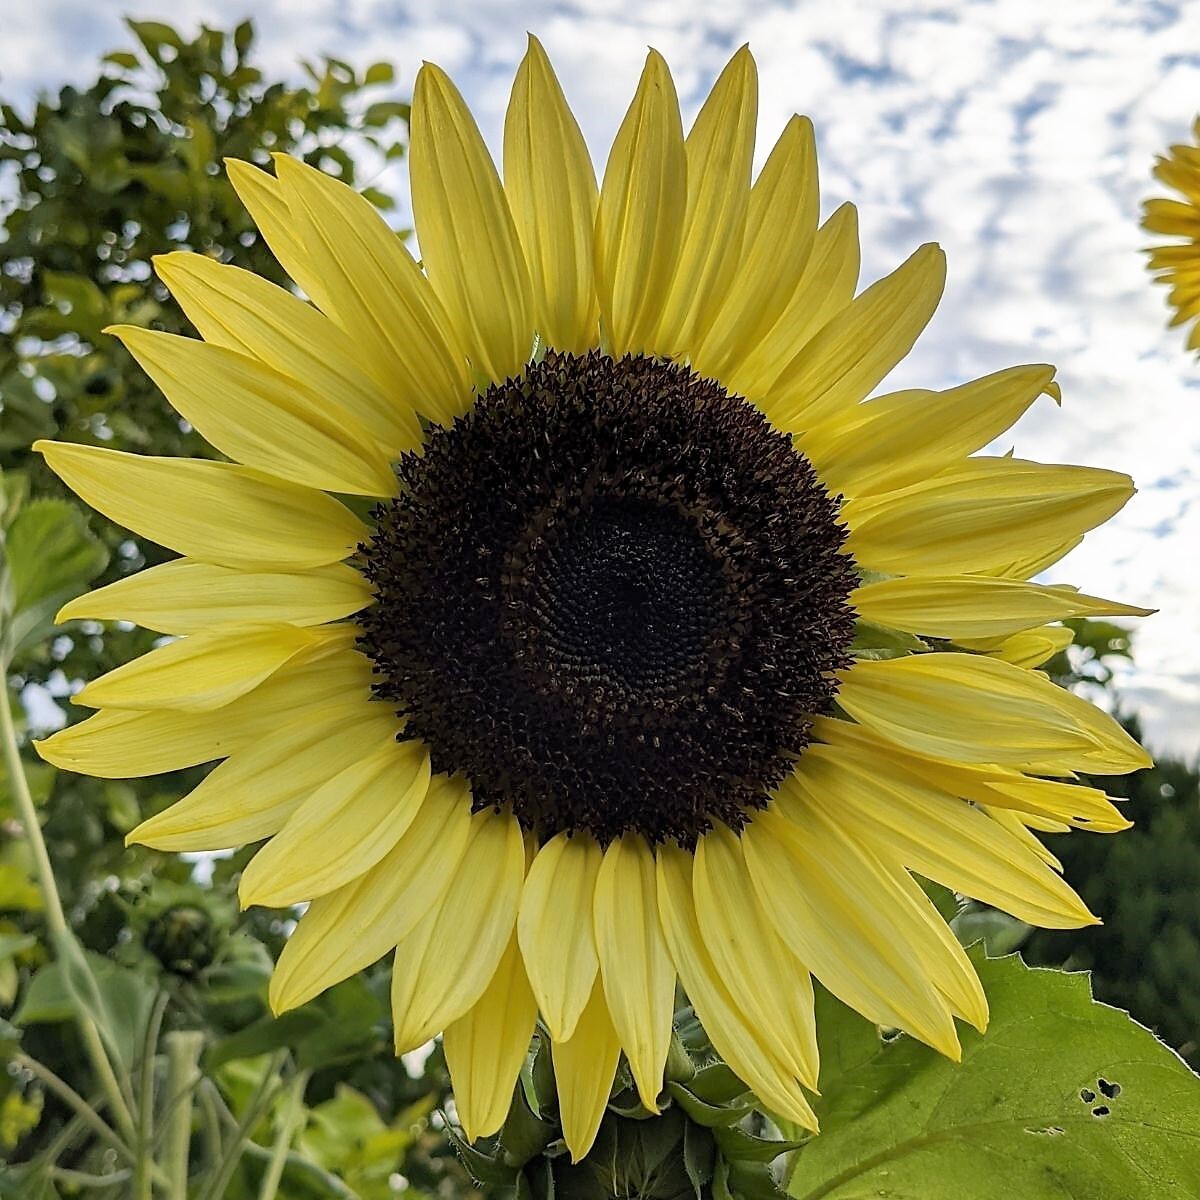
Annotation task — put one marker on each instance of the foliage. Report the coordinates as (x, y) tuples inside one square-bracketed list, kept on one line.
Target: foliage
[(1062, 1098)]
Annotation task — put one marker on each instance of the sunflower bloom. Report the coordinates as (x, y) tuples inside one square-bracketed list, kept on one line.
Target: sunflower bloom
[(1178, 265), (665, 655)]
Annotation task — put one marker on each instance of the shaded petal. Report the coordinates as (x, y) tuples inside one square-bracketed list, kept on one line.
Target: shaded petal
[(201, 672), (443, 966), (766, 981), (839, 909), (551, 189), (747, 1048), (215, 512), (982, 513), (848, 357), (240, 311), (469, 244), (780, 229), (555, 929), (639, 979), (253, 793), (639, 221), (905, 437), (935, 834), (486, 1047), (183, 596), (344, 828), (355, 925), (977, 606), (584, 1068), (719, 152)]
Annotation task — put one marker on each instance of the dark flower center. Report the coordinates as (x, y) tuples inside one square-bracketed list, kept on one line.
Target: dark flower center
[(613, 597)]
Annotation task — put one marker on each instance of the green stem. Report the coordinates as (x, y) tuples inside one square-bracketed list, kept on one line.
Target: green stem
[(145, 1127), (283, 1140), (83, 1179), (183, 1058), (56, 919), (220, 1178)]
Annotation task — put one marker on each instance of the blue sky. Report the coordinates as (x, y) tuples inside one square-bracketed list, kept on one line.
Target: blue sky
[(1017, 133)]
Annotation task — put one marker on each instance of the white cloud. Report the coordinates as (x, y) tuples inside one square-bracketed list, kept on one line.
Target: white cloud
[(1018, 133)]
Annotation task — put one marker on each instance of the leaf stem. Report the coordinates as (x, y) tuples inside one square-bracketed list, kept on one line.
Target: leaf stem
[(183, 1057), (283, 1140), (145, 1126), (56, 919)]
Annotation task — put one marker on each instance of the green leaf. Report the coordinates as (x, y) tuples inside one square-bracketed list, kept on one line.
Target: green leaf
[(1062, 1098), (380, 72), (269, 1033), (121, 58)]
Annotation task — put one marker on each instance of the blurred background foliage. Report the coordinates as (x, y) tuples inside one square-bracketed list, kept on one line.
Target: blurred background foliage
[(93, 184)]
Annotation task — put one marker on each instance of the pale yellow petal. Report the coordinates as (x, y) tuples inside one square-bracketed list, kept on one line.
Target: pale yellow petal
[(355, 925), (1032, 647), (198, 673), (639, 221), (780, 228), (552, 193), (443, 966), (976, 606), (183, 596), (376, 293), (848, 357), (243, 312), (983, 513), (343, 829), (933, 833), (823, 290), (839, 909), (216, 512), (253, 793), (748, 1048), (469, 244), (639, 979), (555, 929), (770, 986), (719, 152), (486, 1047), (905, 437), (584, 1068)]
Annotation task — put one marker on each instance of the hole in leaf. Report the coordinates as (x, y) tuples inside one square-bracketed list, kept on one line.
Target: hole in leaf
[(1101, 1110), (1109, 1090), (1048, 1131), (1087, 1095)]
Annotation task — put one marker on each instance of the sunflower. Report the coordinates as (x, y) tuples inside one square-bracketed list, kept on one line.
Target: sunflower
[(1178, 265), (663, 655)]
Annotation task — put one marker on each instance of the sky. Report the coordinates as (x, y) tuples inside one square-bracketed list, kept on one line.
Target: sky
[(1019, 134)]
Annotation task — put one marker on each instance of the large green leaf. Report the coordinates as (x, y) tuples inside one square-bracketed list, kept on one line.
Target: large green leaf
[(1063, 1097)]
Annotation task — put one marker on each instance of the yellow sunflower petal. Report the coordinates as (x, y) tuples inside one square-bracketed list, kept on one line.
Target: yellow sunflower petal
[(355, 925), (838, 908), (584, 1068), (201, 672), (976, 606), (252, 794), (183, 596), (639, 979), (1033, 647), (486, 1047), (985, 512), (720, 151), (849, 357), (216, 512), (242, 312), (936, 835), (552, 193), (748, 1048), (780, 228), (639, 221), (376, 293), (469, 243), (823, 290), (765, 979), (444, 965), (905, 437), (344, 828), (555, 929)]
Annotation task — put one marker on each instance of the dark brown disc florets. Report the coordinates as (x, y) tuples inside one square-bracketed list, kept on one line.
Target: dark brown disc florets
[(612, 596)]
